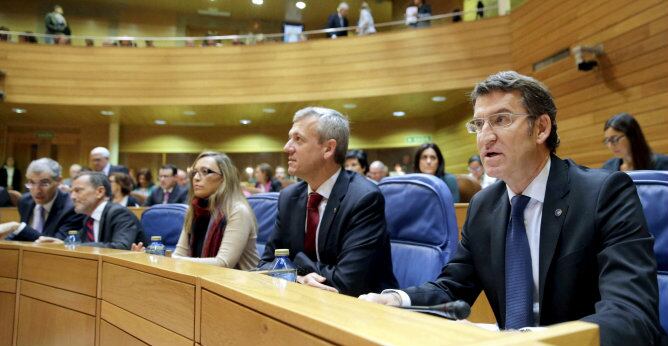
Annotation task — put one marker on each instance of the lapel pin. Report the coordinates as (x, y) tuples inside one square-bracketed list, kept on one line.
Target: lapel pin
[(557, 212)]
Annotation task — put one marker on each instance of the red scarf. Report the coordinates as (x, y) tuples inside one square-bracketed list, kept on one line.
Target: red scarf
[(215, 231)]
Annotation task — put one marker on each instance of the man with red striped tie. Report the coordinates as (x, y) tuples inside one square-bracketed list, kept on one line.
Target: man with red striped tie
[(106, 224)]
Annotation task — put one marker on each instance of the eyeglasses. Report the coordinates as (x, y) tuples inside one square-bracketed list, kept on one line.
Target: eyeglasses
[(42, 184), (203, 172), (612, 140), (498, 120)]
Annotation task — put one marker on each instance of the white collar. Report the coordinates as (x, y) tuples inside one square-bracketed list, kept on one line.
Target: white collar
[(106, 169), (97, 213), (325, 188), (536, 189)]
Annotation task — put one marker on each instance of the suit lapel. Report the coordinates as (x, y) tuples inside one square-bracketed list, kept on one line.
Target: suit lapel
[(298, 210), (338, 192), (29, 211), (498, 246), (53, 213), (555, 207), (103, 223)]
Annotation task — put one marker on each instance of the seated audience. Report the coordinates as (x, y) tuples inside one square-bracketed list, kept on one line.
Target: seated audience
[(377, 171), (45, 210), (333, 222), (220, 227), (121, 186), (477, 172), (99, 162), (624, 137), (169, 192), (10, 175), (27, 38), (106, 224), (365, 25), (265, 181), (4, 37), (356, 161), (429, 160), (554, 242)]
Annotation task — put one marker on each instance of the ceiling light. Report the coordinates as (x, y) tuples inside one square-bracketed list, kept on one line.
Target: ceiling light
[(257, 2), (18, 110), (300, 5), (399, 114), (160, 122), (107, 113), (244, 121), (349, 106), (189, 113), (268, 110), (439, 98)]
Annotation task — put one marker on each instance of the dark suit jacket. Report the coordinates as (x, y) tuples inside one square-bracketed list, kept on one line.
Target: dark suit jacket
[(119, 228), (333, 22), (178, 195), (61, 219), (16, 183), (118, 169), (5, 200), (659, 163), (353, 242), (596, 256)]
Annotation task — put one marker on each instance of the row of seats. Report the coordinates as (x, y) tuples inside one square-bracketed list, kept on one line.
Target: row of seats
[(426, 231)]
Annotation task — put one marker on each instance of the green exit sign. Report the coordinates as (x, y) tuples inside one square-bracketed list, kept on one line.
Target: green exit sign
[(44, 134), (418, 139)]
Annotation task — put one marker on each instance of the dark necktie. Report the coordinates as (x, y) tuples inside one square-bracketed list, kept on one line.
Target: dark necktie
[(312, 218), (90, 233), (519, 278), (165, 198)]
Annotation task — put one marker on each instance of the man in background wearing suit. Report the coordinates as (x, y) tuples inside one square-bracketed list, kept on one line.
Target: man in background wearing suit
[(169, 191), (333, 222), (338, 20), (45, 210), (106, 224), (99, 162), (551, 241)]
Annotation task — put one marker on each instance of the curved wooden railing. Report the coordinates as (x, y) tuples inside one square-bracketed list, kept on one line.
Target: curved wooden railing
[(50, 295)]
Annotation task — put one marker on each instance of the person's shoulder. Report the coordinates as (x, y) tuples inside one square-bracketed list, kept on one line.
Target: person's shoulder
[(292, 189), (612, 164), (360, 183), (660, 162)]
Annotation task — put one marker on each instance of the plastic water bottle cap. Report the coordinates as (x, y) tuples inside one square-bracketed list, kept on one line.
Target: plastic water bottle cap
[(73, 232), (282, 252), (156, 238)]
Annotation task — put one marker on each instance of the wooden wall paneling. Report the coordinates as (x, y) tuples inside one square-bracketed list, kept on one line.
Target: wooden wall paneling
[(140, 328), (9, 259), (41, 323), (69, 300), (69, 273), (110, 335), (162, 301), (7, 309)]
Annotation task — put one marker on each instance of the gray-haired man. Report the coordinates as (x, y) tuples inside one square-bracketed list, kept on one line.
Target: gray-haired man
[(333, 221), (45, 210)]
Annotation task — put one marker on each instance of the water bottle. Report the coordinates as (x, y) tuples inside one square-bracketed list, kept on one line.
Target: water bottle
[(156, 247), (282, 267), (72, 239)]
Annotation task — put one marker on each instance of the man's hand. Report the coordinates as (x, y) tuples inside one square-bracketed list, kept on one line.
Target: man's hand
[(391, 299), (48, 240), (138, 247), (315, 280), (7, 228)]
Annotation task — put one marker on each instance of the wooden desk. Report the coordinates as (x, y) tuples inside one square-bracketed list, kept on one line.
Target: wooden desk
[(108, 297)]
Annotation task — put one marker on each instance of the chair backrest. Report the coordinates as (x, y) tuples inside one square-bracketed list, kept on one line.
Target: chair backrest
[(468, 186), (165, 220), (653, 192), (265, 207), (420, 218)]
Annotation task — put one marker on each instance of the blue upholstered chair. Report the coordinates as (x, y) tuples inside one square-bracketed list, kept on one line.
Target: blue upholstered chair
[(165, 220), (265, 207), (653, 192), (421, 221)]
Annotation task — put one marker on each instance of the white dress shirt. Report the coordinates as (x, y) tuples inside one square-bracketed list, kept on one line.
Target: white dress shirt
[(324, 190), (106, 169), (533, 215), (47, 209), (97, 216)]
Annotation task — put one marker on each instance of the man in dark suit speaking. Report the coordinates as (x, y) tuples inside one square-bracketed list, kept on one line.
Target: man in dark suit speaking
[(45, 210), (333, 222), (551, 241), (106, 224)]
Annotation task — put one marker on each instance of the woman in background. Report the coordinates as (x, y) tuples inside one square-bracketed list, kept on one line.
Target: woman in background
[(477, 171), (429, 160), (624, 137), (121, 186), (265, 179), (365, 25), (219, 227)]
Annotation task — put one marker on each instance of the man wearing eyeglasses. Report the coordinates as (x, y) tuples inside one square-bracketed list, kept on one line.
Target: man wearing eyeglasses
[(45, 210), (551, 241), (169, 191)]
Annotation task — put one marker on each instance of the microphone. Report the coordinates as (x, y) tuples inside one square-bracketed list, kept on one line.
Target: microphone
[(456, 310)]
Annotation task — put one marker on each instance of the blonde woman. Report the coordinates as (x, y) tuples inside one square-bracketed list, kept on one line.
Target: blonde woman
[(219, 227)]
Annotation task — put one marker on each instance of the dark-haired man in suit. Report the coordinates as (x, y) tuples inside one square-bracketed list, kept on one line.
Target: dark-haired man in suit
[(45, 210), (169, 191), (106, 224), (333, 222), (551, 241)]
